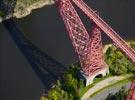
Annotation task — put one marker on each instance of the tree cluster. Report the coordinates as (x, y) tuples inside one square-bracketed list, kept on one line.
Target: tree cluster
[(67, 89), (119, 63)]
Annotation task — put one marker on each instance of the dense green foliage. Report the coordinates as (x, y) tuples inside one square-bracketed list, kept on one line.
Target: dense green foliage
[(67, 89), (120, 95), (118, 63)]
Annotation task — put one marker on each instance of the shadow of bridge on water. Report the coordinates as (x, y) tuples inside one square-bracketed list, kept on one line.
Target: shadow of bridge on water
[(47, 69)]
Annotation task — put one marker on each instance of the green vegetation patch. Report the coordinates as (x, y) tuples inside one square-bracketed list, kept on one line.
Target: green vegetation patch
[(67, 89), (119, 63)]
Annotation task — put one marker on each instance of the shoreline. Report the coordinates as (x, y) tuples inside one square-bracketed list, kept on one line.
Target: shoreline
[(28, 10), (34, 6)]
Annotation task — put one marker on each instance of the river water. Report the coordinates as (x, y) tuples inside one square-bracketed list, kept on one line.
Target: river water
[(45, 29)]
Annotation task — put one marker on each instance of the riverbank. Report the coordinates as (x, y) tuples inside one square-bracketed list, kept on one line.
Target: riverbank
[(19, 13), (20, 8)]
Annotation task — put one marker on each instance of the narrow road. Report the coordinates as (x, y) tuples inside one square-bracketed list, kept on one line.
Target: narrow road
[(103, 84), (112, 89)]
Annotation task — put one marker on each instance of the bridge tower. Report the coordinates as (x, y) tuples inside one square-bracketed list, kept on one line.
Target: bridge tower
[(47, 69), (94, 63), (88, 48)]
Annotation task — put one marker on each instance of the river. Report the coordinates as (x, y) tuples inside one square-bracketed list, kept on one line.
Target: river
[(46, 30)]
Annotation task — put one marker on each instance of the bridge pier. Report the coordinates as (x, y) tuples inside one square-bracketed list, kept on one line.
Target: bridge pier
[(89, 79)]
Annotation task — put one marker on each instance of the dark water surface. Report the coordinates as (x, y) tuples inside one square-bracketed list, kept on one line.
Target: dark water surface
[(45, 28)]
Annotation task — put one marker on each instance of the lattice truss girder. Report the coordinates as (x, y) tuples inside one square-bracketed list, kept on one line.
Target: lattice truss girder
[(118, 41), (74, 25), (89, 49), (94, 58)]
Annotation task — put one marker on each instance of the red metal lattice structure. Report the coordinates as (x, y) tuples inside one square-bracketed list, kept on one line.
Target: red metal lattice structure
[(131, 94), (95, 54), (89, 49)]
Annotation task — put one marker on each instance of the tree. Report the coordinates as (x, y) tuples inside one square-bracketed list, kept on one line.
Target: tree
[(57, 93), (72, 82), (118, 63), (67, 89)]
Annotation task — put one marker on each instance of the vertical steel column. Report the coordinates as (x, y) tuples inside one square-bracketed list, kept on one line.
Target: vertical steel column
[(94, 61)]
